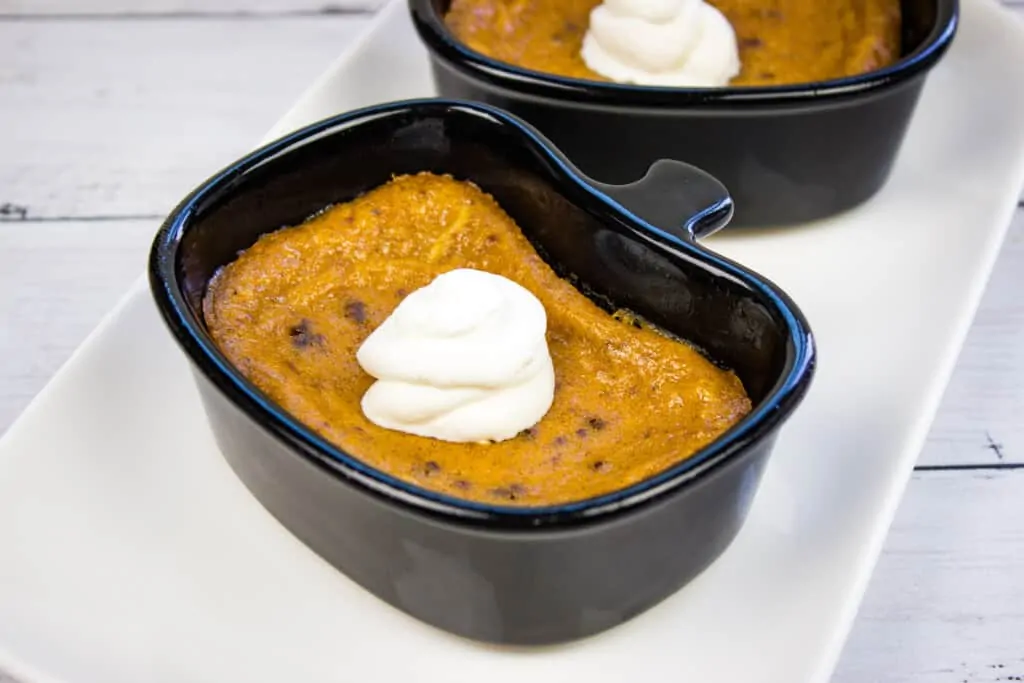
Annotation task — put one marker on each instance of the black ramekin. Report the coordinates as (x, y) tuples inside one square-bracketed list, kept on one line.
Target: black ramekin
[(788, 154), (501, 574)]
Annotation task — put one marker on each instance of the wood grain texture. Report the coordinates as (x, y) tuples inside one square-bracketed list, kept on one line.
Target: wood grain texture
[(981, 421), (58, 279), (115, 118), (946, 603), (156, 8)]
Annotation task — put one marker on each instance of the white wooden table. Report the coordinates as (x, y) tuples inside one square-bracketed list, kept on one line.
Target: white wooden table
[(111, 110)]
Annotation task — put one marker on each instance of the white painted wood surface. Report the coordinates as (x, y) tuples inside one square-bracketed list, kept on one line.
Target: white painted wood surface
[(120, 8), (123, 118), (57, 280), (981, 421), (946, 603), (110, 110)]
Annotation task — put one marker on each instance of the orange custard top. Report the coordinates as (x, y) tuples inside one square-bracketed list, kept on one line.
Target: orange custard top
[(293, 309)]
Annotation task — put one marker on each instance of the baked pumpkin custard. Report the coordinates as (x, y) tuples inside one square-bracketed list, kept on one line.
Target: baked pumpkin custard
[(294, 311), (684, 42)]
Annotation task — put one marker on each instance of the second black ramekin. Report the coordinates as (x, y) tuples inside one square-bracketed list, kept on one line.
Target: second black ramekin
[(788, 154)]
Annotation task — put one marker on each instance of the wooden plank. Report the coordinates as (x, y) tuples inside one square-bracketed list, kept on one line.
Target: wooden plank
[(108, 118), (980, 421), (58, 279), (86, 8), (946, 602)]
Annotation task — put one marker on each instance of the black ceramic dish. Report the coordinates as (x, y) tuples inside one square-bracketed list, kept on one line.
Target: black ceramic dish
[(502, 574), (788, 154)]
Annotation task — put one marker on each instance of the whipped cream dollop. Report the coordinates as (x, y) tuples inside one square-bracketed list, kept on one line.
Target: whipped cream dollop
[(673, 43), (463, 359)]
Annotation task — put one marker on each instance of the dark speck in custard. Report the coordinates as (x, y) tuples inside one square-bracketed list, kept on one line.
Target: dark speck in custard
[(751, 42), (510, 492), (600, 466), (559, 441), (766, 74), (582, 433), (492, 239), (595, 423), (401, 293), (303, 336), (356, 311), (430, 467), (462, 485), (570, 30), (528, 433)]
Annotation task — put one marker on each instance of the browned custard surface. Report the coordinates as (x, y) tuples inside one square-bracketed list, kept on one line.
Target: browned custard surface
[(780, 41), (291, 312)]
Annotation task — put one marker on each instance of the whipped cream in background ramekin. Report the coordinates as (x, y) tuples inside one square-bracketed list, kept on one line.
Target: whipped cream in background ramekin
[(464, 359), (672, 43)]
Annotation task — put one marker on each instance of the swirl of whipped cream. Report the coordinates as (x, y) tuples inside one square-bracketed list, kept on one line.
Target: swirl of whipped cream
[(674, 43), (463, 359)]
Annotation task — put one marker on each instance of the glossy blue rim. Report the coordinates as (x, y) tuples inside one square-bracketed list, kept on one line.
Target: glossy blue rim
[(190, 332), (440, 41)]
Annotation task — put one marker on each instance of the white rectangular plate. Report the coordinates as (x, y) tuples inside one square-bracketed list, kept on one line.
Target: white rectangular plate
[(131, 553)]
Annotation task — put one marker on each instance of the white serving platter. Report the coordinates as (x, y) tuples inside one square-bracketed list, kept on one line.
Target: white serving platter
[(131, 553)]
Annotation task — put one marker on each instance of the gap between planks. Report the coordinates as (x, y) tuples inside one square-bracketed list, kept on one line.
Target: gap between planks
[(72, 219), (945, 603), (13, 213)]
